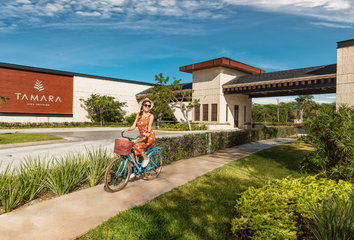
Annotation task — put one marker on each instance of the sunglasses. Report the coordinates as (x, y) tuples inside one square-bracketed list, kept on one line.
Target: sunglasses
[(146, 105)]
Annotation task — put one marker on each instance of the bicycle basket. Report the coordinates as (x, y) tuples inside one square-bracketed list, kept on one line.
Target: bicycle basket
[(122, 147)]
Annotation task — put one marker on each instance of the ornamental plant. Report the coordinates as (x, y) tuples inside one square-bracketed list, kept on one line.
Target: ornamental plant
[(271, 212), (331, 132)]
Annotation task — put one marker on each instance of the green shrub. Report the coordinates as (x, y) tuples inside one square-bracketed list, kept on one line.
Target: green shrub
[(196, 144), (331, 132), (131, 118), (272, 210), (333, 219)]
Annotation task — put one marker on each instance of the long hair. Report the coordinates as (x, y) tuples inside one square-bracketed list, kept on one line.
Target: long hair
[(141, 109)]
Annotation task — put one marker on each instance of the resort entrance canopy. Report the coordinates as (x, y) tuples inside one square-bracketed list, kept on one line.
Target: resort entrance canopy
[(304, 81)]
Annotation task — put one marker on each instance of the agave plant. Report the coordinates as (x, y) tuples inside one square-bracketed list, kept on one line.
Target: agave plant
[(98, 161), (11, 191), (333, 219), (32, 173), (65, 173)]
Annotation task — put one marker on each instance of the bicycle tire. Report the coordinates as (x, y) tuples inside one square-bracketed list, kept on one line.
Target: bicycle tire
[(117, 174), (154, 170)]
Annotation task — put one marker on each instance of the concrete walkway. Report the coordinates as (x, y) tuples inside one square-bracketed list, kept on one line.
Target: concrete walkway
[(72, 215)]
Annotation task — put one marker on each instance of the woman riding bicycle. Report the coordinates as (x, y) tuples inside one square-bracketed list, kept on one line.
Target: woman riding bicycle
[(144, 122)]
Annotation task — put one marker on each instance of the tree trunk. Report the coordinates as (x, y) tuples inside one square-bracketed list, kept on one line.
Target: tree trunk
[(185, 115), (301, 115)]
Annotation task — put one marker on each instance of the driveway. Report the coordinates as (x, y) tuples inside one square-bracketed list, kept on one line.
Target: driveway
[(75, 140)]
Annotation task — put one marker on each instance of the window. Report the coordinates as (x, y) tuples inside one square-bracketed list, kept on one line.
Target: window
[(214, 112), (244, 114), (197, 113), (205, 112)]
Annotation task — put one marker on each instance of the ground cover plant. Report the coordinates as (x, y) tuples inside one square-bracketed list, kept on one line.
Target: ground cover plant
[(7, 138), (273, 210), (203, 207)]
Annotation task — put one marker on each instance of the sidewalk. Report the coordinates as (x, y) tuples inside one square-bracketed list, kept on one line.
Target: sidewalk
[(72, 215)]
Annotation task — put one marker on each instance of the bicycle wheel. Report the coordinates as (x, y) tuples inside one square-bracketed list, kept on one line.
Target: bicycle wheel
[(117, 174), (155, 167)]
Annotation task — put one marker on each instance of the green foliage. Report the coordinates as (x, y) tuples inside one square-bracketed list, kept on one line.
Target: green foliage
[(331, 132), (181, 127), (3, 100), (11, 191), (65, 173), (192, 145), (103, 108), (131, 117), (288, 111), (97, 163), (172, 96), (160, 96), (333, 219), (271, 211), (31, 174)]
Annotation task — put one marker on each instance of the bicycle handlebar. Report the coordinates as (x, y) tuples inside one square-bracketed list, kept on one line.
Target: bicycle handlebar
[(130, 138)]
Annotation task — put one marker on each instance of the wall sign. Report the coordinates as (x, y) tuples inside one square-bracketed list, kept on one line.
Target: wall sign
[(32, 92)]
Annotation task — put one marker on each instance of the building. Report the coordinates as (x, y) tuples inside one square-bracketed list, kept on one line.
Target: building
[(225, 88)]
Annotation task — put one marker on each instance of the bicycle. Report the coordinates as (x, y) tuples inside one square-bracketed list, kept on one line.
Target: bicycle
[(118, 172)]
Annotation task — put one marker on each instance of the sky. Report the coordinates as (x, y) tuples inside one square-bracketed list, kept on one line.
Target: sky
[(136, 39)]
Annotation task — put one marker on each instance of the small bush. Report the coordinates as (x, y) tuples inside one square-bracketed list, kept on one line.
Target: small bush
[(272, 210)]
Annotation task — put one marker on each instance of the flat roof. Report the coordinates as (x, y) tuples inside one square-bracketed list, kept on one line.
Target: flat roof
[(64, 73), (346, 43), (221, 62)]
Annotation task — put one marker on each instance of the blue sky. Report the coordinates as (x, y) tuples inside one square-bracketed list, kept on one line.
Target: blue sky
[(136, 39)]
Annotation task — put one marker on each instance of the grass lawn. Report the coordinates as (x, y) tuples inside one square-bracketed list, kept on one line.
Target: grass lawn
[(203, 207), (25, 137)]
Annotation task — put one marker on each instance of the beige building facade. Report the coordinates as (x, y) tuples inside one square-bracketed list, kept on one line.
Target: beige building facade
[(224, 87)]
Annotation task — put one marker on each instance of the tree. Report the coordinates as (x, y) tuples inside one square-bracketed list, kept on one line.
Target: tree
[(278, 101), (3, 100), (173, 96), (157, 94), (303, 103), (103, 108)]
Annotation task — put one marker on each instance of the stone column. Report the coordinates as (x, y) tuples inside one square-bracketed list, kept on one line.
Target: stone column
[(345, 73)]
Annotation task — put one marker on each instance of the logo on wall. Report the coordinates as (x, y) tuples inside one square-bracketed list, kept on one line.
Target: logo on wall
[(39, 86), (36, 92)]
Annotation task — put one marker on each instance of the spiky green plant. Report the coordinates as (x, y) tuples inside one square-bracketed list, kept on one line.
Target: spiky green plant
[(65, 173), (31, 173), (333, 219), (98, 161), (11, 191)]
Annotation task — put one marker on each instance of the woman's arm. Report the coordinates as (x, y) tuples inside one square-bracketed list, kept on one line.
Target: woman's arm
[(133, 126)]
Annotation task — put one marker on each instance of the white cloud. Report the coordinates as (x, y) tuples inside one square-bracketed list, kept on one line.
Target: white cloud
[(331, 10), (88, 14), (332, 25), (331, 13)]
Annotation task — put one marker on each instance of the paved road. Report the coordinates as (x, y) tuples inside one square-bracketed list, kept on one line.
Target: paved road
[(77, 140)]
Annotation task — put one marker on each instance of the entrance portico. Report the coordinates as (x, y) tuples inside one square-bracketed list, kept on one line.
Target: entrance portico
[(226, 87)]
